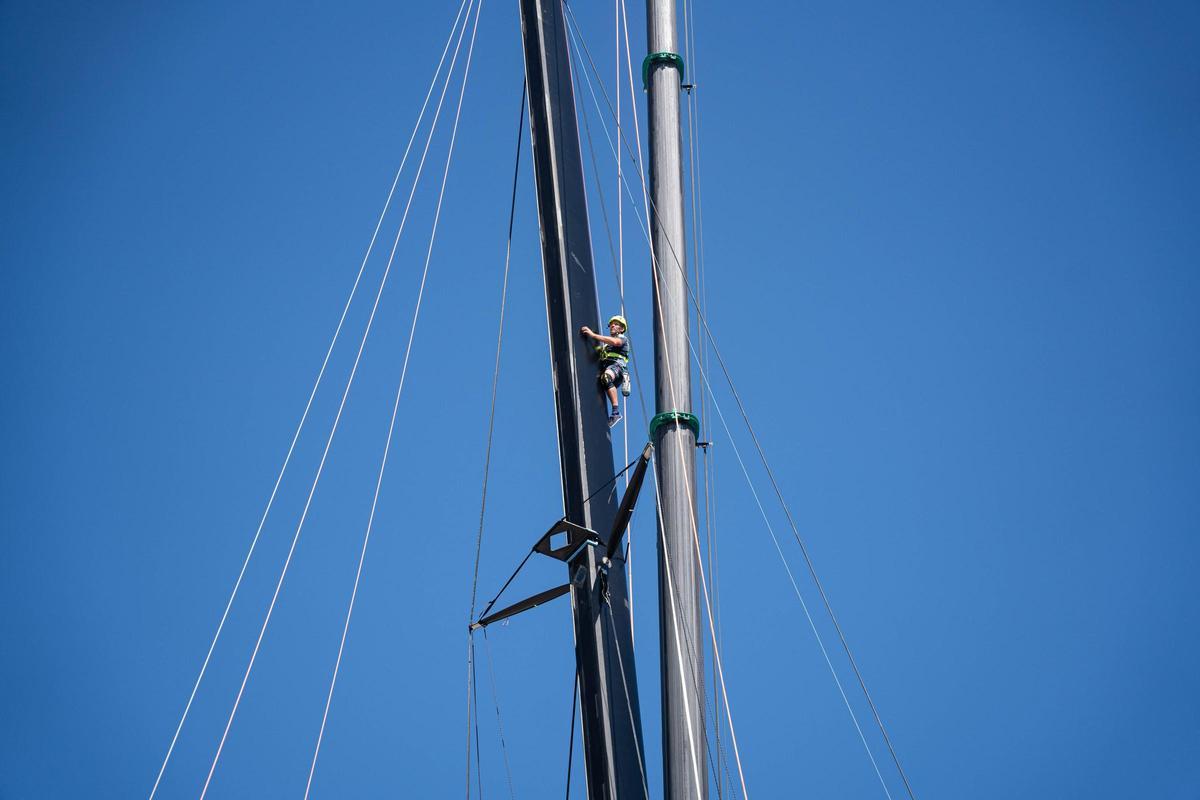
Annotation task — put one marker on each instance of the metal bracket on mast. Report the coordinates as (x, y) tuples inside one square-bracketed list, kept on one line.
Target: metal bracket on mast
[(628, 501), (578, 540), (578, 537), (524, 605)]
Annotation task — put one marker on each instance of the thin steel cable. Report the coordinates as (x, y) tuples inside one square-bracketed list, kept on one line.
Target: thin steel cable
[(487, 461), (395, 406), (307, 407), (694, 530), (604, 217), (696, 681), (470, 710), (686, 637), (820, 642), (474, 678), (705, 457), (637, 132), (621, 291), (334, 427), (571, 736), (807, 557), (499, 722), (775, 485), (716, 649), (610, 634), (618, 270), (528, 555), (653, 261), (511, 578), (670, 381), (783, 503), (709, 457), (625, 690), (617, 164), (695, 536), (672, 597), (672, 391), (791, 578), (600, 191), (641, 398)]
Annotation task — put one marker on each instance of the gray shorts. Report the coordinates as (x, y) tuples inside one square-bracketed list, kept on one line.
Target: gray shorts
[(614, 371)]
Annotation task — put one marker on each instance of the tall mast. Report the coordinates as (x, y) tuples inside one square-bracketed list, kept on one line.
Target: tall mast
[(675, 428), (610, 713)]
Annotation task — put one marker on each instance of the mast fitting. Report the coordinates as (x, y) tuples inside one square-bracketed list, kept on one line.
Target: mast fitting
[(661, 57), (668, 417)]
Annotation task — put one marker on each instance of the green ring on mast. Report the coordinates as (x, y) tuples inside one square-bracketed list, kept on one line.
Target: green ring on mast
[(662, 57), (668, 417)]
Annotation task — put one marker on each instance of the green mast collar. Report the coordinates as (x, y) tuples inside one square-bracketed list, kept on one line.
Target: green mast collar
[(668, 417), (665, 57)]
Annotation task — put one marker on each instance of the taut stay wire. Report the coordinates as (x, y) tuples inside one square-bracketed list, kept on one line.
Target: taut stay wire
[(812, 571), (307, 407), (334, 428), (666, 560), (487, 461), (396, 405)]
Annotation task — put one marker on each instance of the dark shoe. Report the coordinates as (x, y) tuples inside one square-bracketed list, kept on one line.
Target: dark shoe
[(614, 419)]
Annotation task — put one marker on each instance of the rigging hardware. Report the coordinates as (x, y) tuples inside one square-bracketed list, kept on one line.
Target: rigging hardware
[(526, 604), (578, 540), (661, 57), (667, 417), (628, 501)]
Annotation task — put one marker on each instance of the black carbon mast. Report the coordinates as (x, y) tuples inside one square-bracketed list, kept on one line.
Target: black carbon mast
[(610, 713)]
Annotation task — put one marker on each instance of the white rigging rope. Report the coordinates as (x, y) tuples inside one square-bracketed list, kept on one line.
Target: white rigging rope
[(692, 750), (641, 398), (620, 283), (336, 421), (811, 567), (703, 322), (628, 705), (695, 537), (396, 405), (691, 510), (791, 578), (816, 633), (709, 457), (717, 660), (621, 288), (674, 597), (304, 416)]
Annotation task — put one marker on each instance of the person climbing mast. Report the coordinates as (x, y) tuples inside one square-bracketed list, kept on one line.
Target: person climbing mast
[(614, 361)]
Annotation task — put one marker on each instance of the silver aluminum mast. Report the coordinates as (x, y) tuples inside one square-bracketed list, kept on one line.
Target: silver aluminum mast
[(674, 429)]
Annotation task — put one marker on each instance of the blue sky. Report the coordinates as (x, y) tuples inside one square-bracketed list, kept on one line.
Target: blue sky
[(951, 259)]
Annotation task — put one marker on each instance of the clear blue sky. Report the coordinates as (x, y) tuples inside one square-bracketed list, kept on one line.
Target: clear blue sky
[(952, 259)]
